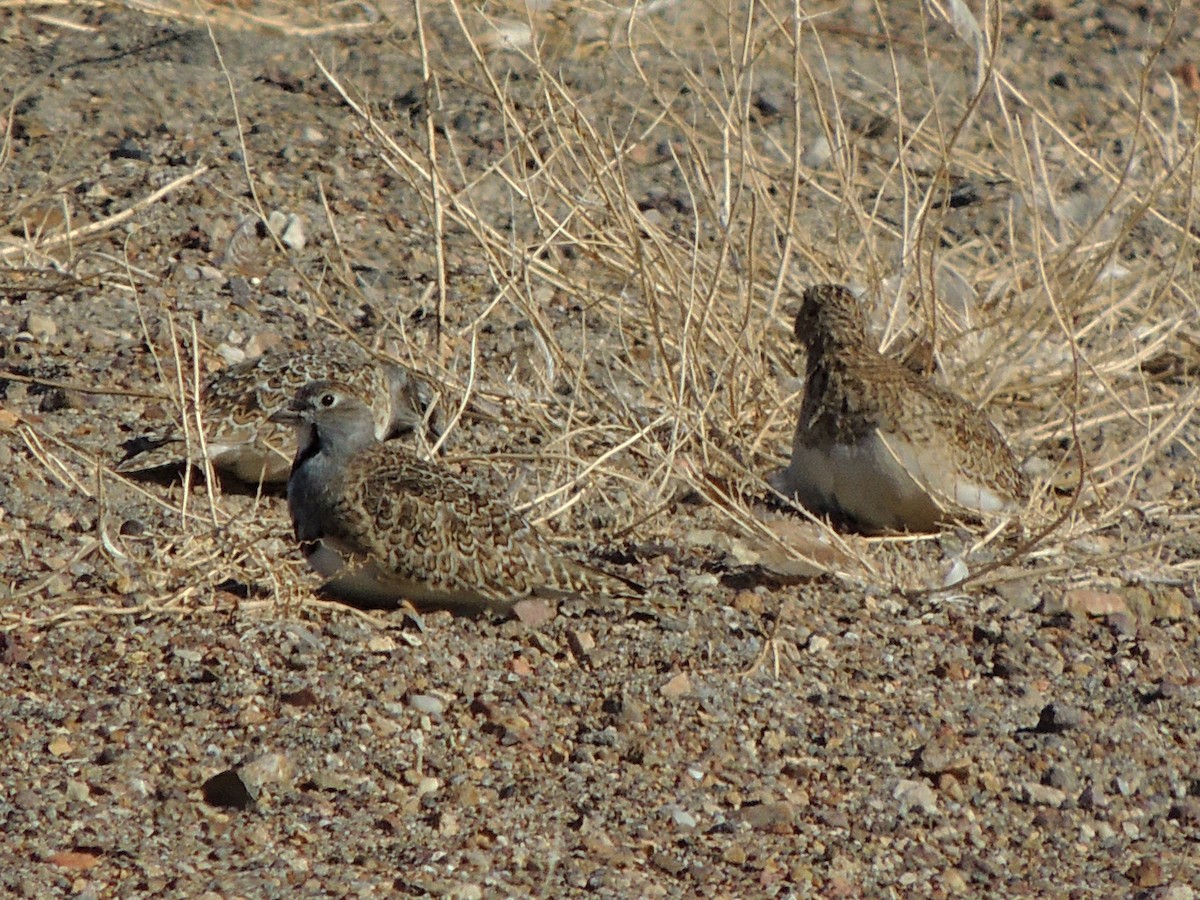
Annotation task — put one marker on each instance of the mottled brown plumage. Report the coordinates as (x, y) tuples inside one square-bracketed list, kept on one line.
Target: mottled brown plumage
[(880, 446), (237, 403), (385, 526)]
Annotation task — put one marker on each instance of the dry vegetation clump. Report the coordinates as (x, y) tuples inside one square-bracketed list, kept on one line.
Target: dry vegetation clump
[(613, 252), (1036, 256)]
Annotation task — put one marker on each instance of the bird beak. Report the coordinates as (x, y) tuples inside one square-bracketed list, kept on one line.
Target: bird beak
[(292, 414)]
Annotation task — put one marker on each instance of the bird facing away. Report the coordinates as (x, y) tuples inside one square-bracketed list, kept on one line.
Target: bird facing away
[(237, 403), (384, 526), (879, 446)]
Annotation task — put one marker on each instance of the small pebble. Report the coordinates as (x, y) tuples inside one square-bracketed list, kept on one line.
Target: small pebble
[(1055, 719), (427, 704), (679, 686), (918, 795), (683, 819), (1042, 795), (768, 816), (41, 327)]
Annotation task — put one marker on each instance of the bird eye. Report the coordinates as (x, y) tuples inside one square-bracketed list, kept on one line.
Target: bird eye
[(328, 400)]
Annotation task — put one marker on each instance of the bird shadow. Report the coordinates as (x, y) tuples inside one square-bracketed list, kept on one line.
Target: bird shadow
[(177, 473)]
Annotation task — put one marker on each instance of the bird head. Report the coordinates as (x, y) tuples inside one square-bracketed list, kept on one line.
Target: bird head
[(830, 315), (329, 413)]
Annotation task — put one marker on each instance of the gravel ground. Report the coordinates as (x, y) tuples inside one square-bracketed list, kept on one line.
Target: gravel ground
[(182, 718)]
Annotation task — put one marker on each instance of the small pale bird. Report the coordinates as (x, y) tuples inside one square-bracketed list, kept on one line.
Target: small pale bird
[(386, 527), (881, 448), (236, 404)]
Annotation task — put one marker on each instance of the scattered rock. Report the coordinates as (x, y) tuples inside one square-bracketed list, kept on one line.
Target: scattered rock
[(582, 643), (60, 746), (1158, 602), (293, 236), (427, 704), (129, 149), (817, 644), (679, 686), (943, 755), (682, 818), (916, 795), (1092, 797), (771, 816), (74, 859), (1042, 795), (817, 152), (1186, 811), (381, 643), (428, 785), (1061, 777), (534, 612), (302, 698), (262, 342), (266, 769), (1146, 873), (748, 602), (1081, 601), (1055, 719), (41, 327), (670, 864), (1018, 592)]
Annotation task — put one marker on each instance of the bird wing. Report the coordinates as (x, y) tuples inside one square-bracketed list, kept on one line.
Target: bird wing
[(434, 536)]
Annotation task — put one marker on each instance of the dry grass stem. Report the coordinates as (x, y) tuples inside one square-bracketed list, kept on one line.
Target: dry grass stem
[(43, 246)]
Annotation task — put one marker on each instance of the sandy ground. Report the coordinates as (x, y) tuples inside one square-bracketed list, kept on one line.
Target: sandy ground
[(597, 282)]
